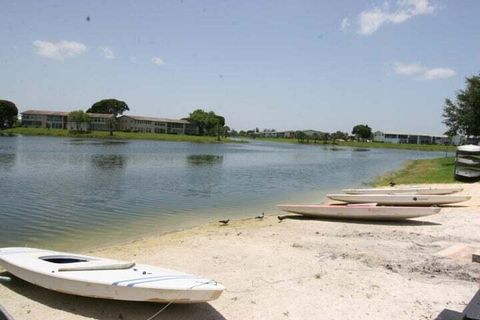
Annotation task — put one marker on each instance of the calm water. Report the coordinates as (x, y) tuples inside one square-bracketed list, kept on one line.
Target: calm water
[(78, 193)]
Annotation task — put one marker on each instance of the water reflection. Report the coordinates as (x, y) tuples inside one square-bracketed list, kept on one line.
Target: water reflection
[(361, 149), (94, 142), (7, 161), (108, 161), (204, 159)]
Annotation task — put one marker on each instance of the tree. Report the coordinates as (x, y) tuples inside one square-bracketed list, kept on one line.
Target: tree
[(219, 125), (78, 117), (111, 106), (362, 131), (463, 115), (300, 135), (207, 122), (8, 114), (325, 137), (339, 135)]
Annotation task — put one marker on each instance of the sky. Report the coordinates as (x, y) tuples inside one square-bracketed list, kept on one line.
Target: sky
[(284, 65)]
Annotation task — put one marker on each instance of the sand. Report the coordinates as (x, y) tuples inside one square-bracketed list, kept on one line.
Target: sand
[(295, 269)]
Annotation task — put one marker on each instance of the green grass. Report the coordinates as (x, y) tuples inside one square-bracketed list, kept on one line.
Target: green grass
[(355, 144), (116, 135), (439, 170)]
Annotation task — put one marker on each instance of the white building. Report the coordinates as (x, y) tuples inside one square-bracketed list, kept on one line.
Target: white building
[(413, 138), (155, 125)]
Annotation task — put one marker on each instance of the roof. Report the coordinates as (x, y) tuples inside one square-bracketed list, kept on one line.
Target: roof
[(46, 113), (100, 115), (155, 119)]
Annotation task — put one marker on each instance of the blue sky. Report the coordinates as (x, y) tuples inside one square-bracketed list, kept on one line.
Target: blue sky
[(268, 64)]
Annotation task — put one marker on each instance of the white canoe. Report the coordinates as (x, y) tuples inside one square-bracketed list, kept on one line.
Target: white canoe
[(359, 211), (399, 199), (406, 190), (105, 278)]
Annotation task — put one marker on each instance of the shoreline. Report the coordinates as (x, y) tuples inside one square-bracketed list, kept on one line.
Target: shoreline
[(297, 269), (117, 135), (362, 145)]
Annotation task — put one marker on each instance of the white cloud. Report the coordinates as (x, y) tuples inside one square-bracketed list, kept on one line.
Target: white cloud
[(438, 73), (371, 20), (408, 69), (345, 24), (422, 72), (59, 50), (107, 52), (158, 61)]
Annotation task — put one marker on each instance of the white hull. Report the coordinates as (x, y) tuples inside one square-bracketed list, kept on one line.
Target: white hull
[(409, 190), (399, 199), (133, 283), (367, 212)]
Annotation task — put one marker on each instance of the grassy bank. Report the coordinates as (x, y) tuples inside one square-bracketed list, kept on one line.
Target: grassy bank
[(355, 144), (116, 135), (438, 170)]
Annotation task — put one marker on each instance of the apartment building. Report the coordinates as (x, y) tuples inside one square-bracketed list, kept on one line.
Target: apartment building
[(155, 125)]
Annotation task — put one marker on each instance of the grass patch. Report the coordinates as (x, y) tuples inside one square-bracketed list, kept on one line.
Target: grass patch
[(355, 144), (439, 170), (116, 135)]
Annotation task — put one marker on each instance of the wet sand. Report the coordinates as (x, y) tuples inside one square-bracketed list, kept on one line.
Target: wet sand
[(298, 268)]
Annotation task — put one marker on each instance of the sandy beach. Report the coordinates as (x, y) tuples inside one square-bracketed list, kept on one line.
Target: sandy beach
[(298, 268)]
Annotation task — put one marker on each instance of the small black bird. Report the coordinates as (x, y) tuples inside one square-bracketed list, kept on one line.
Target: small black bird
[(224, 222), (392, 184), (260, 217)]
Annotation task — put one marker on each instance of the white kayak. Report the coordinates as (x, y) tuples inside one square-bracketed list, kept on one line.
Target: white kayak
[(404, 190), (399, 199), (106, 278), (469, 148), (359, 211)]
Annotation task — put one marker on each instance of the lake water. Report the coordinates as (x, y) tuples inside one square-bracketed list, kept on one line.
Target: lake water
[(65, 193)]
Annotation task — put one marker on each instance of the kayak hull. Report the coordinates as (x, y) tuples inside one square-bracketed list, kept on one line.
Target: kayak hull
[(399, 199), (363, 212), (138, 283)]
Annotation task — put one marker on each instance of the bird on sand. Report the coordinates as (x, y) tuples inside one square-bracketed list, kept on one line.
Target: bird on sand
[(224, 222), (260, 217), (280, 218)]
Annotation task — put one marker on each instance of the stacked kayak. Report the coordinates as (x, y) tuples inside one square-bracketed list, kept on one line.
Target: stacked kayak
[(467, 163), (381, 204)]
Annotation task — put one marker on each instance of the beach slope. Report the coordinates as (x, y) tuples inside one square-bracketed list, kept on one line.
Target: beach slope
[(297, 268)]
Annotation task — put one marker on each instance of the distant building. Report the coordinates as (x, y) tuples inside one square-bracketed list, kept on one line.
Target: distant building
[(286, 134), (44, 119), (60, 120), (101, 122), (411, 138), (98, 122), (155, 125)]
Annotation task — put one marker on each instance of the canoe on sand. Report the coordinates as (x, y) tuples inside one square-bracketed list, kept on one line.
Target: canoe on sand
[(359, 211), (405, 190), (106, 278), (399, 199)]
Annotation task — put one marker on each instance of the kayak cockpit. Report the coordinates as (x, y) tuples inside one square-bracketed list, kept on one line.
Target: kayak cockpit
[(61, 259)]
